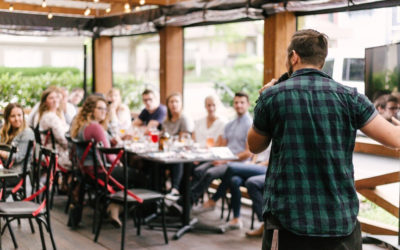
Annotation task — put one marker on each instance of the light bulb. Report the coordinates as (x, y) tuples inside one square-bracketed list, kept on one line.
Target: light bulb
[(50, 15), (142, 2), (44, 4), (108, 10), (11, 8), (87, 12)]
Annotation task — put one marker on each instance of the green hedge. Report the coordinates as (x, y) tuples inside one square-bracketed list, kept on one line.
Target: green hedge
[(38, 71), (26, 90)]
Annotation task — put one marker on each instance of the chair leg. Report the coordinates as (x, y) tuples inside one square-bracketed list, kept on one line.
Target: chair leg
[(11, 233), (138, 220), (252, 218), (100, 223), (223, 207), (41, 233), (50, 231), (163, 221), (31, 225)]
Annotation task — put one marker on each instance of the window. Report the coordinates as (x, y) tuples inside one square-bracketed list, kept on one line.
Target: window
[(353, 69)]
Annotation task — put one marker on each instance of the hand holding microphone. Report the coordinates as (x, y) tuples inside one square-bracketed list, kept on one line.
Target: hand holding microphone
[(283, 78)]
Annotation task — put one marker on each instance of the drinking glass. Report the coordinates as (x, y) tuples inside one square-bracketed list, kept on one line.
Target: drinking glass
[(210, 142)]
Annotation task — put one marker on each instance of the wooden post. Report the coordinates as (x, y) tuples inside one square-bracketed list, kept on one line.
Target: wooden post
[(171, 61), (102, 64), (278, 30)]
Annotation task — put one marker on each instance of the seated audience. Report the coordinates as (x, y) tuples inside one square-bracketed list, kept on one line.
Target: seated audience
[(235, 138), (50, 116), (153, 113), (76, 96), (387, 106), (91, 122), (120, 116), (176, 124), (68, 108), (15, 132), (210, 128)]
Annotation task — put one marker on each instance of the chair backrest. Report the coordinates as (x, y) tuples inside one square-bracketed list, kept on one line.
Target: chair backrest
[(43, 137), (47, 161), (121, 158), (11, 151), (83, 149)]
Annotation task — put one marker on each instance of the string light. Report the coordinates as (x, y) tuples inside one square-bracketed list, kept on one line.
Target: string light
[(96, 1), (44, 3), (127, 7), (50, 15), (137, 8), (11, 8), (108, 10), (87, 12), (142, 2)]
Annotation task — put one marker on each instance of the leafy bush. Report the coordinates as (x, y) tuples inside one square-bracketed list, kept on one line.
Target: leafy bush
[(38, 71), (27, 89), (244, 76)]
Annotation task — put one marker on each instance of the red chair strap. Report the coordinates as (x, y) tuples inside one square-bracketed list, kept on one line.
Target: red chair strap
[(120, 186), (85, 153), (37, 211), (46, 139), (18, 186), (1, 194), (121, 152), (33, 196)]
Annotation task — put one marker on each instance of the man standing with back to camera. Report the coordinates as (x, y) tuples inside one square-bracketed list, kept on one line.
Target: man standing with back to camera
[(310, 201)]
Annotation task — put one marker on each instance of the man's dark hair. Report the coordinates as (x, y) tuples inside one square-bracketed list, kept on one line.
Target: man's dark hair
[(242, 94), (148, 92), (310, 45), (383, 100)]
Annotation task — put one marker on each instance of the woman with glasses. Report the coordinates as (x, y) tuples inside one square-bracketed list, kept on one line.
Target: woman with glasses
[(91, 122)]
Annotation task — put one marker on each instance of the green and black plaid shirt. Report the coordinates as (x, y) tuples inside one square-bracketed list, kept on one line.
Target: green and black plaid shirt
[(312, 121)]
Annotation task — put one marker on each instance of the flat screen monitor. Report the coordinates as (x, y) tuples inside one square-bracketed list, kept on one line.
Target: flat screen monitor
[(382, 73)]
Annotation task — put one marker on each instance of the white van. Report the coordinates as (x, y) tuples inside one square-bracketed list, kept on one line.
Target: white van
[(346, 68)]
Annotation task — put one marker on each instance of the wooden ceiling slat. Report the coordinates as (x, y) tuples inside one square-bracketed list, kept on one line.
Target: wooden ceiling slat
[(117, 7)]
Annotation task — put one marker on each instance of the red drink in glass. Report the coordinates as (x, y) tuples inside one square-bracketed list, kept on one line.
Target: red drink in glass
[(154, 138)]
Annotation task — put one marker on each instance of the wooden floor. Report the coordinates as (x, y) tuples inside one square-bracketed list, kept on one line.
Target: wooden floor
[(150, 239), (153, 239)]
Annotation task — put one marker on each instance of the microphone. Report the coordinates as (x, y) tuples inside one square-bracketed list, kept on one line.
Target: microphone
[(283, 78)]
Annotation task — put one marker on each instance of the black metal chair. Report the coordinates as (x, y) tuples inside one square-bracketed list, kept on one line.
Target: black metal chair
[(83, 181), (11, 151), (132, 199), (27, 209)]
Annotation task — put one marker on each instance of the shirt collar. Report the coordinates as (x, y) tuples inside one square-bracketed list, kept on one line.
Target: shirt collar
[(309, 71)]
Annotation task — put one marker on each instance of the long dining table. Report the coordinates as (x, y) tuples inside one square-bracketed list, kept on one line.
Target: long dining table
[(187, 158)]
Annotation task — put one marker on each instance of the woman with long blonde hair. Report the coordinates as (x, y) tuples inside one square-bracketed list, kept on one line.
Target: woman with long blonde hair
[(15, 132)]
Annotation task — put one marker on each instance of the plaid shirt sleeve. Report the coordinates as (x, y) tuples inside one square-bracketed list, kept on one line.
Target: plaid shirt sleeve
[(364, 110), (261, 117)]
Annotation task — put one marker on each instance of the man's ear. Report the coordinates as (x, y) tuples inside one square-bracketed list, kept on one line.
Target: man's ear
[(295, 58)]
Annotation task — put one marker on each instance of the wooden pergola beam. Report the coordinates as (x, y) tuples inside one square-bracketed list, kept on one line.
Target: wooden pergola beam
[(21, 7), (102, 64), (278, 30), (171, 61)]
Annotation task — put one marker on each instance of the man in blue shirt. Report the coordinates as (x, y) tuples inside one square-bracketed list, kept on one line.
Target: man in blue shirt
[(235, 138), (153, 114)]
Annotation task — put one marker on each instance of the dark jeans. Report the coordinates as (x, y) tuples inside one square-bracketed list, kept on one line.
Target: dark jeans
[(238, 174), (289, 241), (203, 175), (255, 189), (176, 175)]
